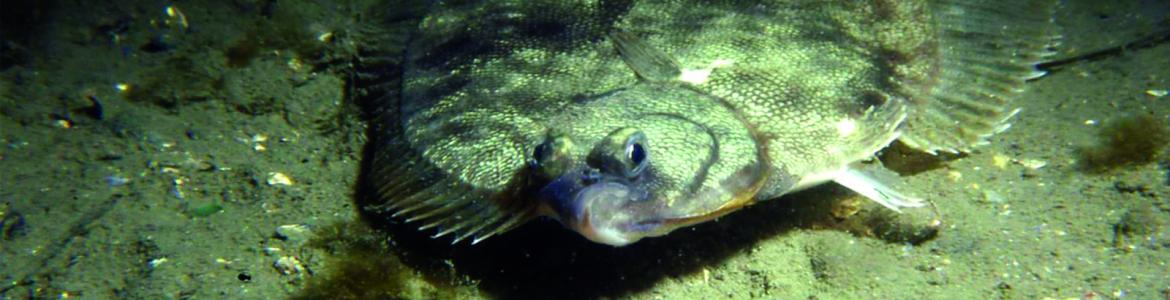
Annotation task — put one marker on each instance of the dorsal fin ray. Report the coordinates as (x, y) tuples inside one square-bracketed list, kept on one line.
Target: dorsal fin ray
[(986, 50), (649, 63)]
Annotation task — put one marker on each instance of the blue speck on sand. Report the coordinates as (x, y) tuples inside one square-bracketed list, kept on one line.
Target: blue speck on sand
[(114, 181)]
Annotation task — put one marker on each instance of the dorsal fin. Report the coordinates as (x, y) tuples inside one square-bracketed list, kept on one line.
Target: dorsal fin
[(413, 189), (397, 180), (648, 62), (986, 52)]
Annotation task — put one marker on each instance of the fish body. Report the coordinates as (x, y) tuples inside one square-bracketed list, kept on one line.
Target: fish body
[(629, 120)]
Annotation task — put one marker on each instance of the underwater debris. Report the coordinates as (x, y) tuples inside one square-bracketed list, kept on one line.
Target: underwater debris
[(115, 180), (278, 178), (289, 265), (1130, 140), (12, 223), (912, 227), (1140, 189), (295, 233), (176, 17), (182, 80), (1135, 225), (906, 161), (242, 53), (205, 210), (285, 30)]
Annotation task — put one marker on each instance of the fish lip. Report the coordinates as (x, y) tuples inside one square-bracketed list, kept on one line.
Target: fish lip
[(560, 195), (574, 196), (605, 235), (608, 231)]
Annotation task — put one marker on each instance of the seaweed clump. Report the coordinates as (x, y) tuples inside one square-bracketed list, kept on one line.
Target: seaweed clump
[(362, 264), (1131, 140)]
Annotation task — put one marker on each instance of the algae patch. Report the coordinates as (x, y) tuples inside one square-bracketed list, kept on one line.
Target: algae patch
[(361, 263), (205, 210), (1131, 140)]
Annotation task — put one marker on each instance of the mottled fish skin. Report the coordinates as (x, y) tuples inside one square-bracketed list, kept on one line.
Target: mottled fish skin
[(528, 107)]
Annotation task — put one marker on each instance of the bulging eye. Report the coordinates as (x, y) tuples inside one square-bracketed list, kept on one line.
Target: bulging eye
[(636, 154), (541, 153), (623, 152), (550, 158)]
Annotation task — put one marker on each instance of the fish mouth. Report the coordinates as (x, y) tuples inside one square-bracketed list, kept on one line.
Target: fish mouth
[(618, 211), (611, 216), (605, 209)]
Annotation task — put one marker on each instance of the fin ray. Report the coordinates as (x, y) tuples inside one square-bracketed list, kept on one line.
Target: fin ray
[(648, 62), (986, 51), (869, 186), (399, 181)]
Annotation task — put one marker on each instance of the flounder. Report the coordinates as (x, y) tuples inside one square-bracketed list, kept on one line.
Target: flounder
[(626, 120)]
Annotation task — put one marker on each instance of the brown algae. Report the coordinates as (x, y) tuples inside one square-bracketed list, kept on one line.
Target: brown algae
[(1131, 140)]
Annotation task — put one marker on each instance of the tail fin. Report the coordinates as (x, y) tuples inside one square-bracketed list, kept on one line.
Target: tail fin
[(986, 50)]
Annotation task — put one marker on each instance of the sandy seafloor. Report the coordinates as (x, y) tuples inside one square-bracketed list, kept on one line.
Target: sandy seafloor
[(178, 188)]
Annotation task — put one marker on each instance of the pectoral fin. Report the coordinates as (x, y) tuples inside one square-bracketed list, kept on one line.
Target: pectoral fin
[(868, 185)]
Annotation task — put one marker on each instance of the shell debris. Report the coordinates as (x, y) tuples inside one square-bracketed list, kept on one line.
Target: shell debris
[(288, 265), (1031, 163), (154, 263), (296, 233), (258, 142), (278, 178), (176, 17), (1000, 161), (954, 175)]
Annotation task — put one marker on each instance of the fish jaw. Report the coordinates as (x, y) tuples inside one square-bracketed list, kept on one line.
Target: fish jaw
[(615, 211), (601, 208)]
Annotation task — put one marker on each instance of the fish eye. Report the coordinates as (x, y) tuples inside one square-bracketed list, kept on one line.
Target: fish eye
[(540, 153), (636, 154), (623, 152), (550, 158)]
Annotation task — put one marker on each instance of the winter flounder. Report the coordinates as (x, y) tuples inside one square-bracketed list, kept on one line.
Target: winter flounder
[(627, 120)]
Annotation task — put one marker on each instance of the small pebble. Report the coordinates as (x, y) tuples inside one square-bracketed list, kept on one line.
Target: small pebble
[(114, 181), (1000, 160), (295, 233), (1033, 164), (154, 263), (992, 196)]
